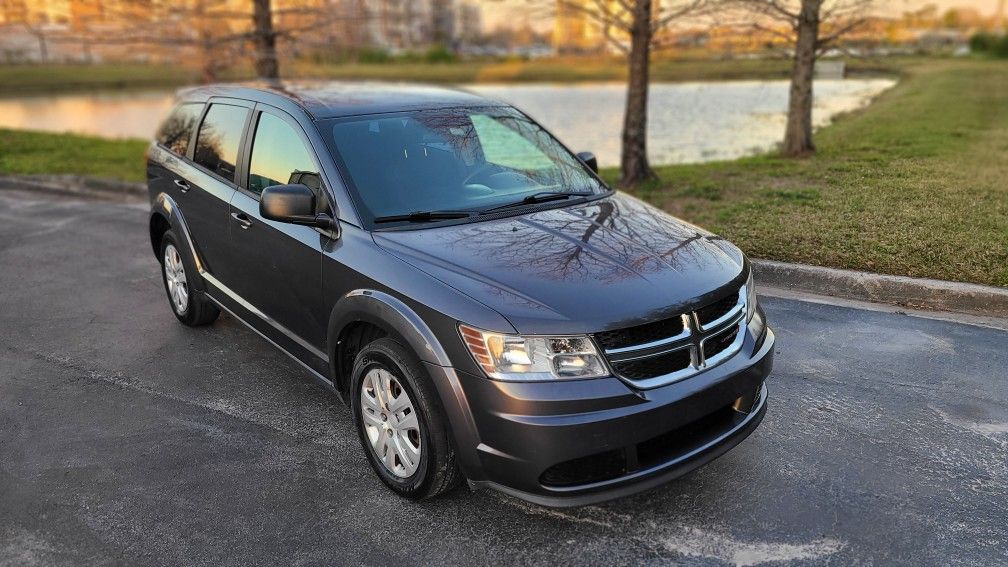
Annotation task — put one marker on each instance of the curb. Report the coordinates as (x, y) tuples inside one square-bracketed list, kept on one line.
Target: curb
[(76, 185), (915, 293)]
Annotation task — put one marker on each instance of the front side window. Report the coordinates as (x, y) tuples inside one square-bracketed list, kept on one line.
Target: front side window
[(280, 157), (219, 137), (463, 159), (176, 130)]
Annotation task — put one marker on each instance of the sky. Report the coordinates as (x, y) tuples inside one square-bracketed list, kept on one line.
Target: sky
[(515, 12)]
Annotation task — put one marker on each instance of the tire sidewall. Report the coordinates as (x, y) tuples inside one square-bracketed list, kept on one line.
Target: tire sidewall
[(380, 356), (170, 238)]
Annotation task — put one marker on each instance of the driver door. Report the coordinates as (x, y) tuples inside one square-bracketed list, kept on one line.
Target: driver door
[(277, 267)]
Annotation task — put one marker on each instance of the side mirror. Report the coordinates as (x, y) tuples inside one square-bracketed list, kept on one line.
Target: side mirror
[(295, 204), (589, 159)]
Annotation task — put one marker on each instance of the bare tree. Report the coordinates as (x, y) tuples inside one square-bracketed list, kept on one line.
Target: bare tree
[(218, 31), (812, 26), (631, 27), (264, 40)]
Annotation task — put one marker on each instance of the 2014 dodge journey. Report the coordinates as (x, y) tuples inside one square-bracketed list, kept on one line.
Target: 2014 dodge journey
[(486, 305)]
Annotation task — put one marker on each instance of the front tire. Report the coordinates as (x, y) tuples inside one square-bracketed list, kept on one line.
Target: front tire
[(178, 272), (400, 423)]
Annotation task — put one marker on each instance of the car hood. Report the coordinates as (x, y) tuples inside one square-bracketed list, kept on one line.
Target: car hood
[(605, 264)]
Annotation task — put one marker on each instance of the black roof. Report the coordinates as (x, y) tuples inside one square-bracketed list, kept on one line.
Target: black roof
[(329, 99)]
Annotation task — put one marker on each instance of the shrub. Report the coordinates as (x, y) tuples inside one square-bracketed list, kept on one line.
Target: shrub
[(981, 42), (989, 44), (440, 54), (373, 56)]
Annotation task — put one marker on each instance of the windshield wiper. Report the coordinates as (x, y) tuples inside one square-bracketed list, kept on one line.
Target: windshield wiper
[(541, 197), (425, 216)]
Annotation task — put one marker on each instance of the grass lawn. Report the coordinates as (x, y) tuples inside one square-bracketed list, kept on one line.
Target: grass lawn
[(916, 184), (25, 152), (51, 79)]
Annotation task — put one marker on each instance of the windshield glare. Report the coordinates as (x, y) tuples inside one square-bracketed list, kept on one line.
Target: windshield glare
[(457, 159)]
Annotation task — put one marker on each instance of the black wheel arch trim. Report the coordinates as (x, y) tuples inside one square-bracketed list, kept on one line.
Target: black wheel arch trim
[(403, 324), (167, 208), (389, 313)]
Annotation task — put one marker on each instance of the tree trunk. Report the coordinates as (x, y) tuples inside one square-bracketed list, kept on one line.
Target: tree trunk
[(634, 166), (43, 47), (266, 65), (798, 134), (208, 60), (208, 70)]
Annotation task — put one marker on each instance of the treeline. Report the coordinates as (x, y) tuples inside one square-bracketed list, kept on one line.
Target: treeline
[(375, 55)]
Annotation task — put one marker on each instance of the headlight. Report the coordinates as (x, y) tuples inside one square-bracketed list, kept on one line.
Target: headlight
[(750, 290), (518, 358)]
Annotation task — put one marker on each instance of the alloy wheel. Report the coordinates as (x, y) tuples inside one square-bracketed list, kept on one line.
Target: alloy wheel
[(178, 286), (390, 422)]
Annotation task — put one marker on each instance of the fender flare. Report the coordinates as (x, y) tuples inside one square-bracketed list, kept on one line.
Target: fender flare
[(392, 315), (403, 324), (167, 208)]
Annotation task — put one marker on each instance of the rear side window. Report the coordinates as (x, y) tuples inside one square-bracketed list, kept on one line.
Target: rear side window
[(176, 130), (280, 157), (219, 137)]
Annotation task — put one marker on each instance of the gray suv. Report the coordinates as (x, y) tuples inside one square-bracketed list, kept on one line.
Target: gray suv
[(488, 308)]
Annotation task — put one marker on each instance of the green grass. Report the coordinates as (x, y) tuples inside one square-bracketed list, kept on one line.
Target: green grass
[(916, 184), (49, 79), (26, 152)]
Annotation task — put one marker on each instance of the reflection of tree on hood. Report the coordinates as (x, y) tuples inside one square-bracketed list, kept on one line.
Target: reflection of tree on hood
[(627, 238)]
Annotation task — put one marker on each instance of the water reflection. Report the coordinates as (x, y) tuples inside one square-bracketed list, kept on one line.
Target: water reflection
[(123, 115), (689, 122)]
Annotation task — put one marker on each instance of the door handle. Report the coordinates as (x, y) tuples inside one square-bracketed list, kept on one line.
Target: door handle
[(181, 184), (242, 220)]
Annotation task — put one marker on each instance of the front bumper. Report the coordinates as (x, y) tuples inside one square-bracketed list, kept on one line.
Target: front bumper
[(543, 442)]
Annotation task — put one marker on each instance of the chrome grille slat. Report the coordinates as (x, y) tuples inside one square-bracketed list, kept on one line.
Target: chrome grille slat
[(685, 333), (696, 336), (740, 306)]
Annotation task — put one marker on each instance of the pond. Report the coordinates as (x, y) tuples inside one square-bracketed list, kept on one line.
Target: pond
[(688, 122)]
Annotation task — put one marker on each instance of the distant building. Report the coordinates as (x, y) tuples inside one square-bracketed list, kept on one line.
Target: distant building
[(468, 22), (399, 24), (574, 30), (443, 20), (578, 29)]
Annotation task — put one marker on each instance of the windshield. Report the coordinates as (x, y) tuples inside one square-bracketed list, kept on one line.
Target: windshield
[(454, 160)]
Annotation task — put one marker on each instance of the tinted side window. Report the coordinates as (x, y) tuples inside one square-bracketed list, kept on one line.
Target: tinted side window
[(176, 130), (279, 157), (219, 137)]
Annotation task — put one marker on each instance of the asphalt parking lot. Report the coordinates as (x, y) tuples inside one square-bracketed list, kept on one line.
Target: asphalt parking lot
[(126, 438)]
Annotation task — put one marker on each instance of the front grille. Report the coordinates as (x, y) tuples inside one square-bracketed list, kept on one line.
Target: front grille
[(718, 343), (640, 334), (652, 366), (657, 353), (714, 311)]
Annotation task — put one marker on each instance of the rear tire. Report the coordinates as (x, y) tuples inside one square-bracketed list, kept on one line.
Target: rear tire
[(399, 421), (178, 273)]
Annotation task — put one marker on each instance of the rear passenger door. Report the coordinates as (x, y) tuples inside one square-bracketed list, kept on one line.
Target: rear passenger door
[(212, 181), (277, 267), (168, 170)]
